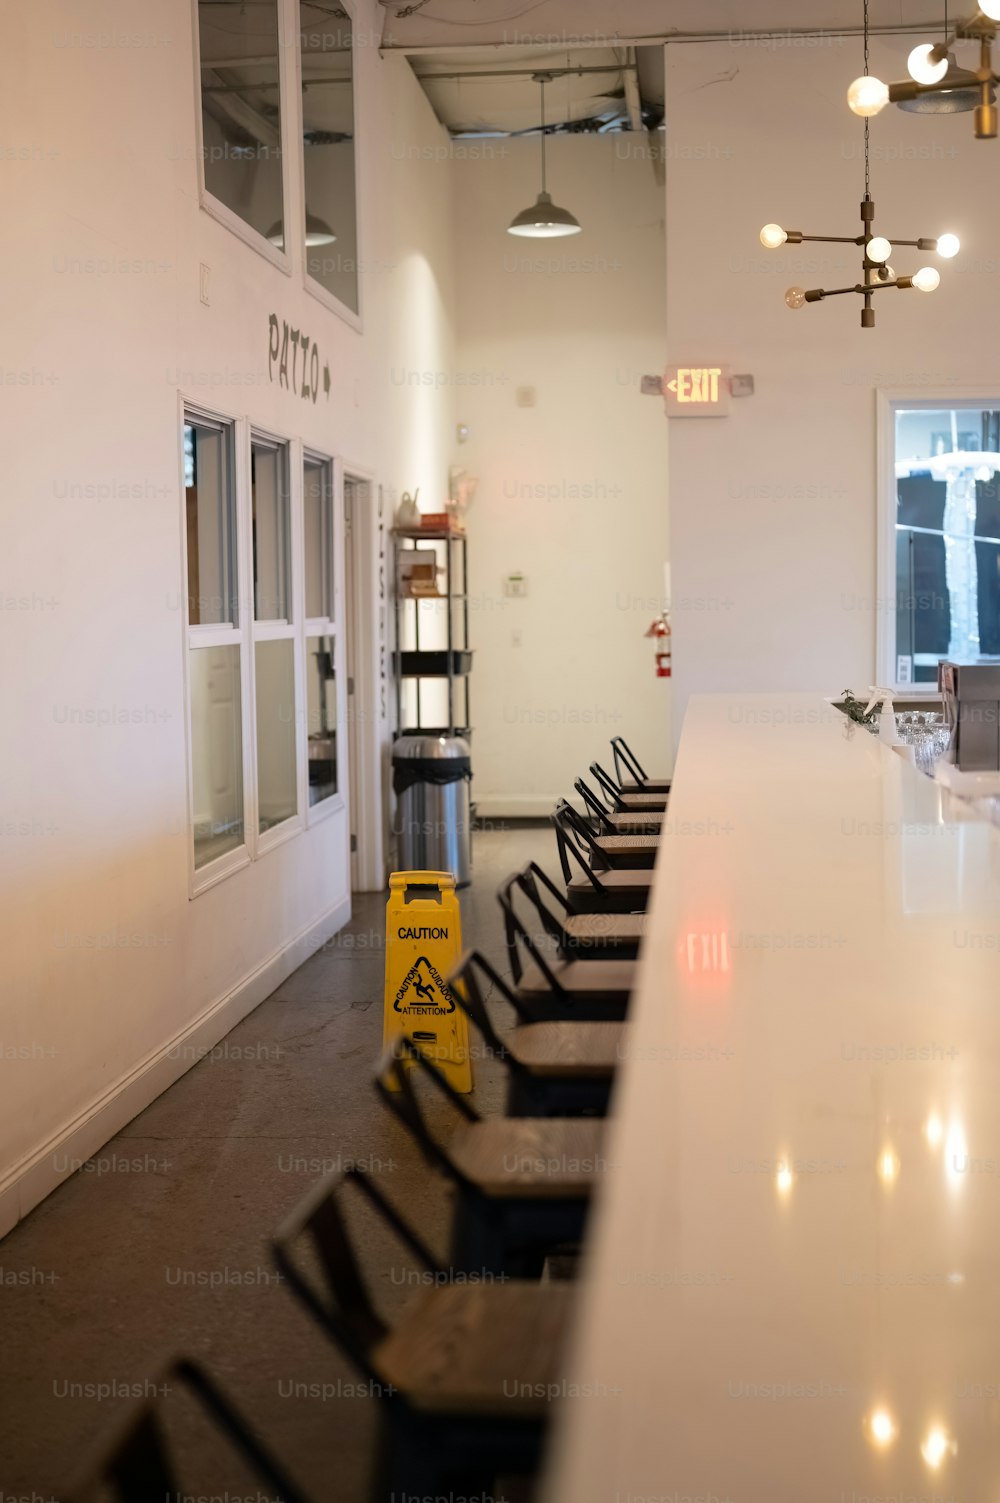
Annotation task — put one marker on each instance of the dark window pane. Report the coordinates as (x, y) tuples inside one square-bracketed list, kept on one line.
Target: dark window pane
[(321, 688), (241, 110), (210, 521), (920, 501), (988, 593), (923, 596), (988, 507), (328, 150)]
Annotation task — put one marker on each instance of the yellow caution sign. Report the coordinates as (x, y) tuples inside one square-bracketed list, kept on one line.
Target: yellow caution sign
[(423, 942)]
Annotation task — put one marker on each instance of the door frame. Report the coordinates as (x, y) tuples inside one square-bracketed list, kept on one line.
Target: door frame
[(367, 653)]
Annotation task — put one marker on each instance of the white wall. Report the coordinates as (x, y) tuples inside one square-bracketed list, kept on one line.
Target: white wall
[(112, 975), (572, 489), (773, 509)]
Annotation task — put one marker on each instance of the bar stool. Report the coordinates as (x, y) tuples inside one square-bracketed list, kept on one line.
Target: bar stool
[(549, 986), (596, 888), (555, 1069), (141, 1463), (614, 823), (523, 1184), (583, 936), (463, 1373), (632, 852), (627, 800), (634, 774)]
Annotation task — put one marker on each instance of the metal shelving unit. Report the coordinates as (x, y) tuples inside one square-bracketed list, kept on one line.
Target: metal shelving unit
[(418, 663)]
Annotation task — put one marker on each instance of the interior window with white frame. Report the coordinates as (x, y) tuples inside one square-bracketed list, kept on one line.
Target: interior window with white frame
[(320, 627), (273, 634), (216, 639), (241, 134), (329, 158)]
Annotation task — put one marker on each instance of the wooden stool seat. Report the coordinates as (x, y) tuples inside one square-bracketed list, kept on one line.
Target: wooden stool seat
[(636, 824), (557, 1065), (637, 803), (527, 1158), (575, 1050), (651, 785), (479, 1349), (608, 981), (620, 892), (635, 851), (608, 930)]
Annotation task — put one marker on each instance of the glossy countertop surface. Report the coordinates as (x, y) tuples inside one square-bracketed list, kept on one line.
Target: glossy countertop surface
[(792, 1280)]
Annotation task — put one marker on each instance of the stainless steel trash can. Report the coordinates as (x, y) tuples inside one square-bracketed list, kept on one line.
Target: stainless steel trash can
[(433, 823)]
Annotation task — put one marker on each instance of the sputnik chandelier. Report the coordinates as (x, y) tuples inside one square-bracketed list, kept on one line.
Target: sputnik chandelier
[(877, 274), (937, 85)]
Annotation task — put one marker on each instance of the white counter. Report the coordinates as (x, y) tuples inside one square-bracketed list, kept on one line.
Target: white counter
[(800, 1224)]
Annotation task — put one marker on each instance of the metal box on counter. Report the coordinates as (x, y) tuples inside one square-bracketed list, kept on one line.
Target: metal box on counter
[(971, 695)]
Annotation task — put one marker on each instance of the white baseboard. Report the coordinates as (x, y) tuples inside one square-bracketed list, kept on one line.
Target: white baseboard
[(35, 1176), (517, 805)]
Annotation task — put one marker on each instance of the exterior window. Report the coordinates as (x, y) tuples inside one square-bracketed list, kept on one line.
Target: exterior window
[(321, 686), (241, 111), (215, 641), (273, 634), (331, 227), (947, 531)]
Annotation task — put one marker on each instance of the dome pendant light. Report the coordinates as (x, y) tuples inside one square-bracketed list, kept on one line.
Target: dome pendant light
[(318, 232), (544, 220), (957, 89), (937, 85), (866, 96)]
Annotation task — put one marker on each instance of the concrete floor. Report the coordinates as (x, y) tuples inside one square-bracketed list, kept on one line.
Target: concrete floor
[(160, 1245)]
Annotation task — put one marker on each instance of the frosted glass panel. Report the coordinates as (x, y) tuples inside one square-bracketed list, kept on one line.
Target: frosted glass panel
[(271, 582), (275, 689), (216, 752)]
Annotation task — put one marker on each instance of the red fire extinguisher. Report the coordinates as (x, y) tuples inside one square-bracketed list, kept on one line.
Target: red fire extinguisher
[(659, 630)]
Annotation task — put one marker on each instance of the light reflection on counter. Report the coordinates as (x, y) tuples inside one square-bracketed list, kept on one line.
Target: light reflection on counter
[(881, 1428), (936, 1445), (956, 1154)]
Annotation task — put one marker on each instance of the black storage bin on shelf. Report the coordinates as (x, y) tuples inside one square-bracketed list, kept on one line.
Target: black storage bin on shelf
[(432, 663)]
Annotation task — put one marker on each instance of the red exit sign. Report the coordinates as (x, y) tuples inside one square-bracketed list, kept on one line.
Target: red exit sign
[(696, 390)]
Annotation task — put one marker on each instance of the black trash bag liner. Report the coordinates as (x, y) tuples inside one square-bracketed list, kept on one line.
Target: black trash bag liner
[(435, 770)]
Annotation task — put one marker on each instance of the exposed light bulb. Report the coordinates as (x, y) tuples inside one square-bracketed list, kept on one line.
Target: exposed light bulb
[(878, 248), (922, 67), (990, 8), (886, 273), (795, 297), (928, 277), (772, 235), (948, 246), (868, 95)]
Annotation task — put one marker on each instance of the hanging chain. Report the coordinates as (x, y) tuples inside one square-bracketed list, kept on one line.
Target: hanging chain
[(542, 84), (866, 117)]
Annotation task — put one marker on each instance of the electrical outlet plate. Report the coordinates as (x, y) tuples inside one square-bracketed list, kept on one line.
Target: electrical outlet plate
[(515, 586)]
